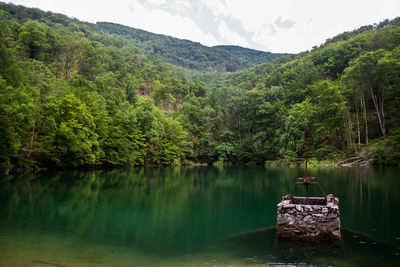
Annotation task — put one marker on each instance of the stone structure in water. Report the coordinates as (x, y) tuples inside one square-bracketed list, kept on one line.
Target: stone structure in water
[(308, 218), (314, 219)]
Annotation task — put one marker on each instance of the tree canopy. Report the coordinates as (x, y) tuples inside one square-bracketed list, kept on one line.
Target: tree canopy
[(73, 95)]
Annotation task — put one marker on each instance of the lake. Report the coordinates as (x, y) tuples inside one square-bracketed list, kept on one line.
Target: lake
[(190, 216)]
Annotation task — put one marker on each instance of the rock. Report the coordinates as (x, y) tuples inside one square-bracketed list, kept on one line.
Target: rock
[(336, 233), (332, 215), (316, 208), (319, 215), (299, 208), (324, 210), (336, 201), (290, 220), (308, 208), (307, 218)]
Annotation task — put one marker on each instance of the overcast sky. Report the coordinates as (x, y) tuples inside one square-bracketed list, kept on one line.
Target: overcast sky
[(271, 25)]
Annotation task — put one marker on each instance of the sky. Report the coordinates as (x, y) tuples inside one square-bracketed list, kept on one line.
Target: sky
[(279, 26)]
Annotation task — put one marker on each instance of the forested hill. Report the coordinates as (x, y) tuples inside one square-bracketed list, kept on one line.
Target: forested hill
[(338, 100), (72, 96), (189, 54)]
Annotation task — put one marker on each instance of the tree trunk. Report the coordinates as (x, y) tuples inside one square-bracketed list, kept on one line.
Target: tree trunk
[(358, 127), (378, 113), (364, 107), (350, 138), (383, 110), (32, 140)]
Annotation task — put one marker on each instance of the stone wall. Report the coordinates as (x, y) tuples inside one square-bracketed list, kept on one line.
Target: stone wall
[(308, 222)]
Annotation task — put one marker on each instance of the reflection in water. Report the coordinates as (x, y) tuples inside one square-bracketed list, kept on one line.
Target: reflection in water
[(166, 213), (353, 249)]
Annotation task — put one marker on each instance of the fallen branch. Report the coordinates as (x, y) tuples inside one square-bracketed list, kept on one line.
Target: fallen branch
[(349, 159)]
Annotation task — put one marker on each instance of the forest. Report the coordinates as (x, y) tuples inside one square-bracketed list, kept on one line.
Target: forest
[(188, 54), (74, 95)]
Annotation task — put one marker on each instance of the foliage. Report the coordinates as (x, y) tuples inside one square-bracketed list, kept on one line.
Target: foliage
[(321, 104), (72, 95), (188, 54), (387, 152)]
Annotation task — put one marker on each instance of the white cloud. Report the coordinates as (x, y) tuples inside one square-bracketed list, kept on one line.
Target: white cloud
[(251, 23), (182, 5), (217, 6), (272, 30), (231, 37), (285, 24), (162, 22)]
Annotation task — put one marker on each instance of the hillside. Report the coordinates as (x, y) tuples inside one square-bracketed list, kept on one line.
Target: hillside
[(336, 101), (189, 54), (72, 96)]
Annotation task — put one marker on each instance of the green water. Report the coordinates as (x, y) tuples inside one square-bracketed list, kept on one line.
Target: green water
[(190, 216)]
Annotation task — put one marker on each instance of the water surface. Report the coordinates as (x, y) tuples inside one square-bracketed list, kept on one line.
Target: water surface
[(190, 216)]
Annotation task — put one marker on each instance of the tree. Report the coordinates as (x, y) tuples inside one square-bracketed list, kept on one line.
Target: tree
[(71, 140), (374, 72), (16, 119), (87, 58), (33, 40), (297, 124), (328, 118), (124, 144)]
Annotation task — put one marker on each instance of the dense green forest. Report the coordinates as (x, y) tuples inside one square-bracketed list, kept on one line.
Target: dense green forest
[(72, 95), (188, 54)]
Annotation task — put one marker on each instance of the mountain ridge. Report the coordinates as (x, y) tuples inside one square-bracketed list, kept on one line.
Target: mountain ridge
[(192, 55)]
